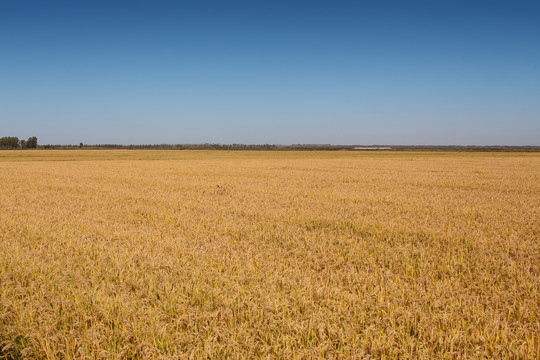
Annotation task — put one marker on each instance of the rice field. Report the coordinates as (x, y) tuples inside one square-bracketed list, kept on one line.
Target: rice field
[(148, 254)]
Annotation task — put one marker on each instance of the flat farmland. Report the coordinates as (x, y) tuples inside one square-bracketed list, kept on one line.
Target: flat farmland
[(147, 254)]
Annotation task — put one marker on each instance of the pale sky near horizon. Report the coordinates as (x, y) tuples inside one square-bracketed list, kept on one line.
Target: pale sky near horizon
[(280, 72)]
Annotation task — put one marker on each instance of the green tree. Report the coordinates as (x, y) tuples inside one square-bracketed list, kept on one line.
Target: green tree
[(31, 143), (9, 142)]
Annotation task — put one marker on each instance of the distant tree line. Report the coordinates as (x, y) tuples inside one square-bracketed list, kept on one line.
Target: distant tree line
[(175, 146), (32, 143), (12, 142)]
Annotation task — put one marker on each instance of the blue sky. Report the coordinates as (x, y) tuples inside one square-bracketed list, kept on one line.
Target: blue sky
[(280, 72)]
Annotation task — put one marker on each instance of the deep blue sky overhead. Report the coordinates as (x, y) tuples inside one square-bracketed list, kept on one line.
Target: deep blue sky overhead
[(341, 72)]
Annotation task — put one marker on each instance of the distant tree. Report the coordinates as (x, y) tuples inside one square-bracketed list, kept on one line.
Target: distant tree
[(9, 142), (31, 143), (81, 145), (24, 144)]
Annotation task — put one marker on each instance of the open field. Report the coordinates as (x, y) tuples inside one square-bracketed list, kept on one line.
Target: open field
[(293, 255)]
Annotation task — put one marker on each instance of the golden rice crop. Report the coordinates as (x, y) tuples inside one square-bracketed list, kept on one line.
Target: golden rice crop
[(292, 255)]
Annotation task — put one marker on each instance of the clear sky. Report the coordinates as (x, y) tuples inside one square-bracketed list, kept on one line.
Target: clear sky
[(280, 72)]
